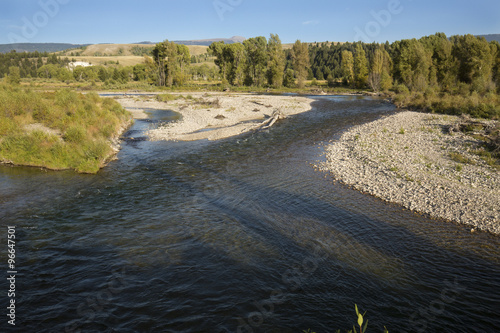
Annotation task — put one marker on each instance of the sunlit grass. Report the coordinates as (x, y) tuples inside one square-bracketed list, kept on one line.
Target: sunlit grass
[(61, 130)]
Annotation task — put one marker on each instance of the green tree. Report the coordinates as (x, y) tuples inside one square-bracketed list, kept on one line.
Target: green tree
[(103, 74), (412, 64), (475, 61), (276, 63), (301, 63), (495, 50), (159, 55), (347, 68), (64, 74), (236, 60), (289, 78), (380, 77), (78, 73), (14, 76), (181, 65), (48, 71), (360, 67), (256, 52), (139, 73), (171, 62), (216, 49), (442, 60)]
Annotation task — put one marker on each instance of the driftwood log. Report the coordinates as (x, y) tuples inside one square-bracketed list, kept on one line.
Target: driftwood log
[(275, 116)]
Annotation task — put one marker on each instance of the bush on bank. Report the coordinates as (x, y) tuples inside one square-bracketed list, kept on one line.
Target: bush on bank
[(61, 130)]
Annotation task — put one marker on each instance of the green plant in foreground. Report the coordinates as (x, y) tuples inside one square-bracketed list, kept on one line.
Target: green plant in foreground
[(361, 320), (362, 328)]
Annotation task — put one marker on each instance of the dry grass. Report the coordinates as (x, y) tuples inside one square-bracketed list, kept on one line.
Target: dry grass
[(102, 54), (126, 49), (123, 60), (61, 130)]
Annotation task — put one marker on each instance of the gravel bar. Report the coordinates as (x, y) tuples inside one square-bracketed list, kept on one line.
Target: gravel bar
[(410, 159)]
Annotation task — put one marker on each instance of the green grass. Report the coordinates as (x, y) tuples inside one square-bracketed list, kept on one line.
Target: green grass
[(61, 130), (167, 97), (485, 105), (459, 158), (491, 158)]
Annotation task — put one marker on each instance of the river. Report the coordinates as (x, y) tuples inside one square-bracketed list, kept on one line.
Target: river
[(238, 235)]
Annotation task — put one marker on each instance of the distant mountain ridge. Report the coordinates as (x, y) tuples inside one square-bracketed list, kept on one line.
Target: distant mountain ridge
[(207, 42), (55, 47), (40, 47), (491, 37)]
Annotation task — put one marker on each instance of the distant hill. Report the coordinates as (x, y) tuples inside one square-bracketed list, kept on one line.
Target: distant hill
[(207, 42), (56, 47), (491, 37), (40, 47), (124, 50)]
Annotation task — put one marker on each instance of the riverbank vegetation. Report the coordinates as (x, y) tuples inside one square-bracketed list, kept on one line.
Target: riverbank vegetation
[(61, 130)]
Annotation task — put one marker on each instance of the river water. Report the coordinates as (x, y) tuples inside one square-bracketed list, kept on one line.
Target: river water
[(239, 235)]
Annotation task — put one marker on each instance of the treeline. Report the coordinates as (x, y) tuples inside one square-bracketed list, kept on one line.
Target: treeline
[(28, 62), (433, 61), (455, 75), (261, 62)]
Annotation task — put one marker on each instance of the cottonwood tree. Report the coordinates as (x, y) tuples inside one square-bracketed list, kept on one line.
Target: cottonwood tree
[(380, 77), (347, 68), (171, 62), (235, 54), (360, 67), (159, 55), (412, 62), (289, 78), (216, 49), (231, 60), (475, 61), (495, 50), (276, 62), (181, 65), (300, 60), (256, 53)]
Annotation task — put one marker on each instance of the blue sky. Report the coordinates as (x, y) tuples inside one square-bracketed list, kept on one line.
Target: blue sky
[(128, 21)]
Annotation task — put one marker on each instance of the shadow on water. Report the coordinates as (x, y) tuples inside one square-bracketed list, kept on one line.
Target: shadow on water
[(242, 233)]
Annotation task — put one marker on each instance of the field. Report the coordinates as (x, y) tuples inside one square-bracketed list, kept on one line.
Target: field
[(124, 54)]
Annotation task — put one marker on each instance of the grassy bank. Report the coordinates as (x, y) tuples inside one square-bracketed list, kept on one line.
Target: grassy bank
[(58, 130), (459, 101)]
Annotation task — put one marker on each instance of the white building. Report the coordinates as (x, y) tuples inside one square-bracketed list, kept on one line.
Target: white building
[(73, 65)]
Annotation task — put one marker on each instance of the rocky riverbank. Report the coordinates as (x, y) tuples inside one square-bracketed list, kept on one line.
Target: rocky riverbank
[(412, 159), (216, 116)]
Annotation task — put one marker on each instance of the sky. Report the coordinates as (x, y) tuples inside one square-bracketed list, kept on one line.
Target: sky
[(130, 21)]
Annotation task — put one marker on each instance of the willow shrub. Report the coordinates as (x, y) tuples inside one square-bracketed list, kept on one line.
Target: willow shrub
[(458, 102), (72, 131)]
